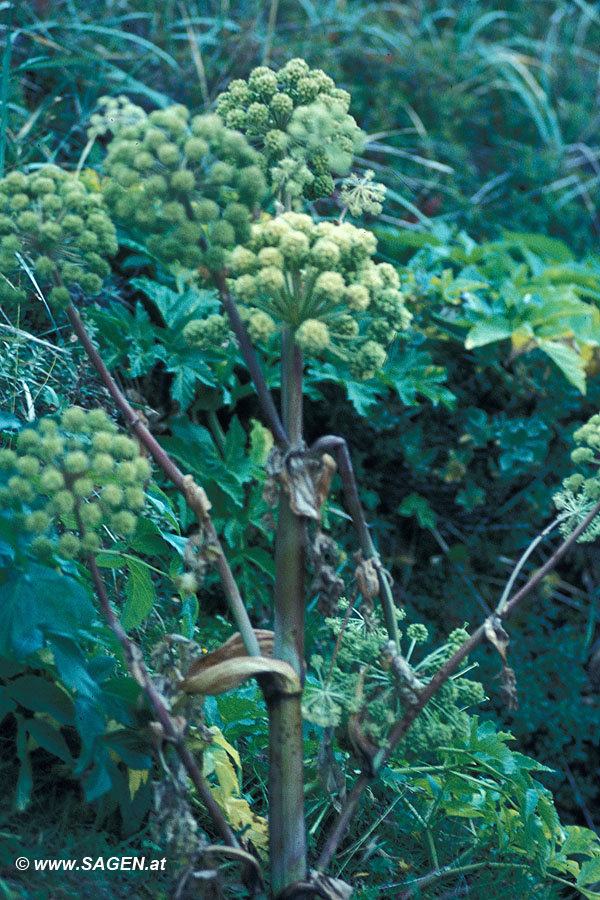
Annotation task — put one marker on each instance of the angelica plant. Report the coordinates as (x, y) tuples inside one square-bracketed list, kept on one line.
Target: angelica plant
[(221, 198)]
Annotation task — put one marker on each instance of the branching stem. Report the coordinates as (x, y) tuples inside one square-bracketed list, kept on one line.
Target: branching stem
[(138, 671), (399, 730), (339, 446)]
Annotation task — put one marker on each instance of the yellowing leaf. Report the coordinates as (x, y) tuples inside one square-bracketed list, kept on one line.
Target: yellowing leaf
[(137, 777), (220, 739)]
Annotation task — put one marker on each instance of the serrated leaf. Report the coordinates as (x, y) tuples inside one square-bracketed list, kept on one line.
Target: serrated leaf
[(140, 594), (590, 872), (488, 332)]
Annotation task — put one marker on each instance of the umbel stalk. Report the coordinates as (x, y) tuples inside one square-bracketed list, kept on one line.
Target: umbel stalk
[(287, 836)]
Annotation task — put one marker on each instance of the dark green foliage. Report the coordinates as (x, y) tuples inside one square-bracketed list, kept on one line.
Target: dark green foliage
[(461, 437)]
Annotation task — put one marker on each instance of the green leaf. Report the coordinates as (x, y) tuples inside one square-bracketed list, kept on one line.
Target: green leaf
[(590, 872), (541, 244), (488, 332), (130, 747), (39, 601), (41, 695), (417, 505), (72, 667), (568, 361), (140, 595), (49, 738)]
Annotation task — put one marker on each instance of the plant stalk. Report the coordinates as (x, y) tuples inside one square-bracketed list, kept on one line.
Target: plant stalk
[(184, 483), (346, 470), (287, 834)]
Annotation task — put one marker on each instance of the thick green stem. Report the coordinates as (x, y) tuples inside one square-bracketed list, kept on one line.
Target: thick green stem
[(287, 834)]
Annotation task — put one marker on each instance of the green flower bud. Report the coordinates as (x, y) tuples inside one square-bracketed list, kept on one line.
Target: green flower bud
[(263, 81), (221, 173), (168, 154), (51, 447), (112, 495), (245, 288), (90, 543), (183, 180), (270, 280), (591, 488), (42, 547), (123, 447), (8, 458), (369, 360), (60, 297), (73, 224), (154, 138), (205, 210), (389, 276), (325, 254), (28, 221), (357, 297), (74, 419), (127, 473), (102, 441), (222, 233), (20, 488), (51, 480), (242, 260), (143, 161), (50, 233), (417, 633), (271, 256), (156, 186), (276, 142), (91, 514), (19, 202), (295, 247), (573, 482), (44, 267), (37, 522), (76, 462), (313, 336), (187, 583), (28, 466), (28, 440), (196, 149), (83, 487), (68, 545), (62, 503), (236, 118), (260, 327), (582, 455), (134, 498), (345, 326), (329, 287), (281, 106), (124, 522), (143, 468), (173, 212)]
